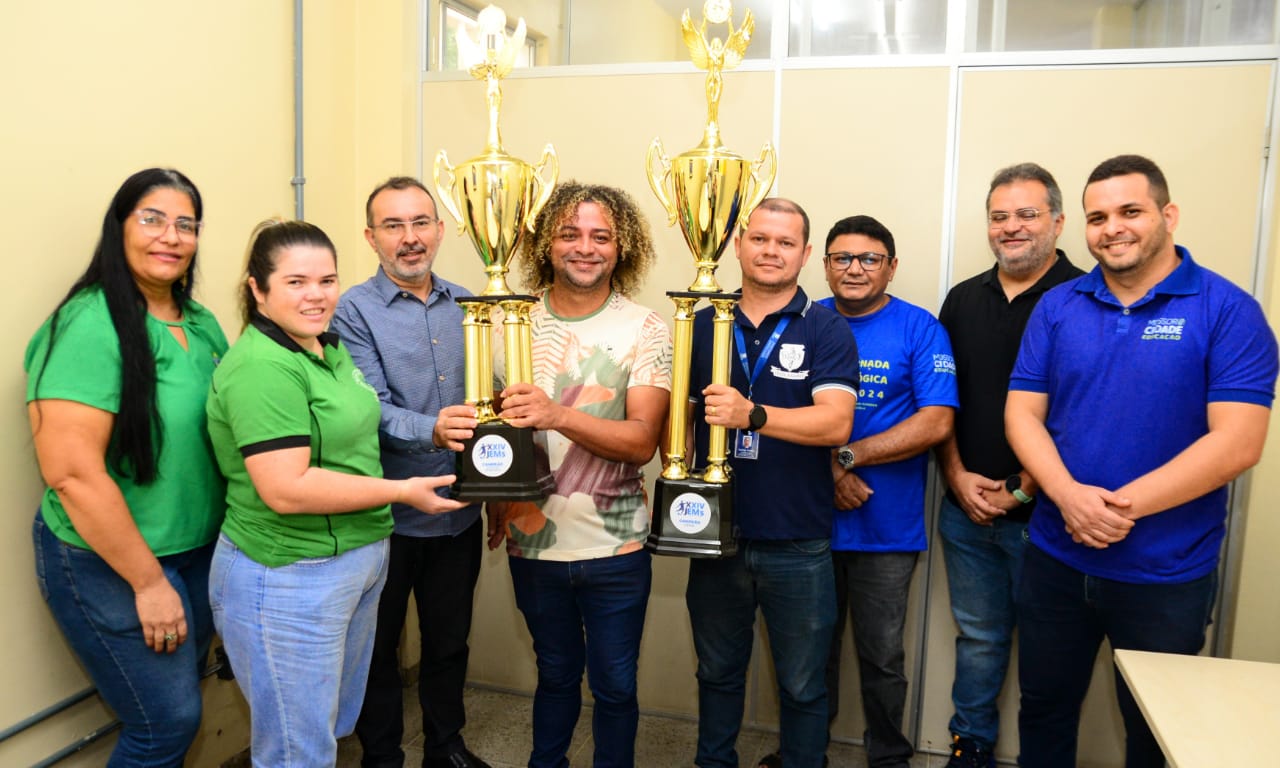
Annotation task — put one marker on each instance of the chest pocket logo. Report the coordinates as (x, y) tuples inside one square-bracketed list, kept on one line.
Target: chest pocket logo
[(791, 356)]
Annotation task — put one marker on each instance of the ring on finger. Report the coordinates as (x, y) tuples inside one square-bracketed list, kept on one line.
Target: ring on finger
[(170, 637), (712, 410)]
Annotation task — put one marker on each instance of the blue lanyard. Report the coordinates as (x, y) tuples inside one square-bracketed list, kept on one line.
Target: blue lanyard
[(783, 322)]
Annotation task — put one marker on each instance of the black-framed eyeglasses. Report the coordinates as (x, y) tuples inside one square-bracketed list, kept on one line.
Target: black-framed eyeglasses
[(1024, 215), (870, 261), (397, 228), (153, 223)]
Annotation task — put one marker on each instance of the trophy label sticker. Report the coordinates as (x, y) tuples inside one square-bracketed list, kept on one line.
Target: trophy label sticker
[(492, 455), (690, 513)]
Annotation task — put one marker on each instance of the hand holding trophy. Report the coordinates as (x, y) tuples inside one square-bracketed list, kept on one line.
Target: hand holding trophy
[(495, 197), (708, 190)]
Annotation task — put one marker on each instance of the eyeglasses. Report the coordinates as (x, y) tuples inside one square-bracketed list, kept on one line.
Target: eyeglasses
[(1025, 215), (153, 223), (870, 261), (397, 228)]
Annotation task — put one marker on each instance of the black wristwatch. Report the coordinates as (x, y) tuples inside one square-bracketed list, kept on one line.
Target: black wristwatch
[(845, 457), (1013, 484), (757, 418)]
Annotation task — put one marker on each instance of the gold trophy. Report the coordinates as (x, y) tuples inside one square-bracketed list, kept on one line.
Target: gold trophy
[(494, 198), (709, 190)]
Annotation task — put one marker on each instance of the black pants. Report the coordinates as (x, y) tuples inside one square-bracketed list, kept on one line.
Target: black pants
[(441, 572)]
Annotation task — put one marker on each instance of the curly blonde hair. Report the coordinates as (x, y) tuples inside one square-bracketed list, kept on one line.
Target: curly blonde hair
[(635, 245)]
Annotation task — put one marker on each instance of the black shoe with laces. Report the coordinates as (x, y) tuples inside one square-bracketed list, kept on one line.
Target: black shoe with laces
[(460, 759), (966, 753)]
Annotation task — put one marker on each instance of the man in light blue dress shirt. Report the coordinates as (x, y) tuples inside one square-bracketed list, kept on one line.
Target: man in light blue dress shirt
[(404, 331)]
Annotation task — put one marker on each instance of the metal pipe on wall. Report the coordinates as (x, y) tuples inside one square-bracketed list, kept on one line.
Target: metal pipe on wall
[(298, 180)]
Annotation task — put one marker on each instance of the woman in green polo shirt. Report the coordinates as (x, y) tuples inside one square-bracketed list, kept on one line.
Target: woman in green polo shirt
[(117, 381), (302, 557)]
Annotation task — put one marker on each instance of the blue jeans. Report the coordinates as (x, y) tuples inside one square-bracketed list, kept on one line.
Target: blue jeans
[(585, 613), (155, 695), (872, 589), (1063, 615), (793, 584), (984, 565), (299, 638)]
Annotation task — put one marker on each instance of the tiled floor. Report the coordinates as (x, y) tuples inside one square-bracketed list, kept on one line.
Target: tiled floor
[(498, 727)]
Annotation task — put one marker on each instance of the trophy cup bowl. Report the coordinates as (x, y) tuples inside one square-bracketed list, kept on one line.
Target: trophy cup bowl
[(495, 197)]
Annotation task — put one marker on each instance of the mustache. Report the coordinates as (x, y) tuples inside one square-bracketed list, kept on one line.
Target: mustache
[(407, 249)]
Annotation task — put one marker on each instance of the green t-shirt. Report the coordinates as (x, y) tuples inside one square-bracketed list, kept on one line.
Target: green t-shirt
[(270, 394), (183, 508)]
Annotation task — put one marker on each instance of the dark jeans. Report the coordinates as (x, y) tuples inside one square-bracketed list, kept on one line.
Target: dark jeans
[(155, 695), (1063, 615), (984, 566), (441, 572), (872, 590), (792, 584), (585, 613)]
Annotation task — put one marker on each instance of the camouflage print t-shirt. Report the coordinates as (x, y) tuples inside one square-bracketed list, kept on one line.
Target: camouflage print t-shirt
[(598, 507)]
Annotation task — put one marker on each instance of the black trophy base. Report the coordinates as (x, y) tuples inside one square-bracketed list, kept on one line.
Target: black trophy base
[(692, 518), (501, 463)]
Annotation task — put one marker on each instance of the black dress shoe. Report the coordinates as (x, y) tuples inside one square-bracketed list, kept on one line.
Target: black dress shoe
[(460, 759)]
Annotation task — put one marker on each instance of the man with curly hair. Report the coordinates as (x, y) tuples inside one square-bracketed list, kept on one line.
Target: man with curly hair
[(601, 389)]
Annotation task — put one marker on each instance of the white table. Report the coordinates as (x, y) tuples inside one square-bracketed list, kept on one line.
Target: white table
[(1205, 711)]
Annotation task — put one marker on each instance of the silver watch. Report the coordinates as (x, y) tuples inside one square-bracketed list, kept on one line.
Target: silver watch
[(844, 457)]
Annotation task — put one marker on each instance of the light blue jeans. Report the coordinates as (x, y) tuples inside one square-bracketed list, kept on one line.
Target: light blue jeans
[(984, 566), (299, 638)]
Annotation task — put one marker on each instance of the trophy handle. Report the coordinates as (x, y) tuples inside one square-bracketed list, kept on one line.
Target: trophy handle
[(659, 182), (447, 192), (543, 186), (761, 182)]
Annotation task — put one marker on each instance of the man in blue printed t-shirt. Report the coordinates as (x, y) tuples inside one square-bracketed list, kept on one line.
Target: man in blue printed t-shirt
[(1140, 391), (906, 405), (404, 331)]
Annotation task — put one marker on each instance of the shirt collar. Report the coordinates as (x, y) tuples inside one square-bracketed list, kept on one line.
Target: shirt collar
[(1052, 276), (1184, 280), (388, 291), (277, 334), (799, 305)]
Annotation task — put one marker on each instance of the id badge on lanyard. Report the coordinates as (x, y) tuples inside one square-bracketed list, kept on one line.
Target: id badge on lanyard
[(746, 443)]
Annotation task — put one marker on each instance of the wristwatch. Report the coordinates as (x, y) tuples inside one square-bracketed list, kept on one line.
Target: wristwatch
[(757, 418), (844, 457), (1013, 484)]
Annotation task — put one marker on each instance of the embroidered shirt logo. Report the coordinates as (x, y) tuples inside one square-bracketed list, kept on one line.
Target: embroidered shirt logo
[(944, 364), (358, 377), (792, 357), (1164, 329)]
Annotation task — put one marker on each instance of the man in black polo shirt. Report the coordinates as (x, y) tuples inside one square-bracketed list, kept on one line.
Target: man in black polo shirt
[(990, 497)]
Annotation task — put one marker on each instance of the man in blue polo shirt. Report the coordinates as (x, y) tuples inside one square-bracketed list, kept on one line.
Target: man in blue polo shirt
[(906, 405), (1140, 391), (789, 402), (404, 331)]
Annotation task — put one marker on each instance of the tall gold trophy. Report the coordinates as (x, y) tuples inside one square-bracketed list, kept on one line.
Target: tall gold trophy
[(494, 198), (709, 190)]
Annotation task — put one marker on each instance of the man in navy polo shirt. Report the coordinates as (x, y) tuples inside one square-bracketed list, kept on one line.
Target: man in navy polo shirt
[(794, 376), (906, 405), (1140, 391)]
